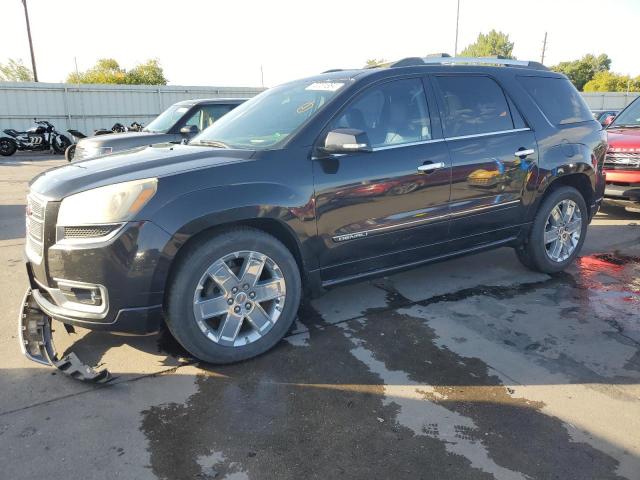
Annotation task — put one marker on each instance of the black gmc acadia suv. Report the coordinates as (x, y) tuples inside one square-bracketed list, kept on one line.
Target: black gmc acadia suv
[(311, 184)]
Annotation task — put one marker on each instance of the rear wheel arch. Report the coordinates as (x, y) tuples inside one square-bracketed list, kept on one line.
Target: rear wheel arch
[(566, 231), (578, 180)]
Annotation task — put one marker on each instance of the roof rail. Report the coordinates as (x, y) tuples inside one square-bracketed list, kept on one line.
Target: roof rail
[(509, 62)]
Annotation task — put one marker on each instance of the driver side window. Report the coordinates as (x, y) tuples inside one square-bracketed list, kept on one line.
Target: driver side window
[(392, 113), (195, 119)]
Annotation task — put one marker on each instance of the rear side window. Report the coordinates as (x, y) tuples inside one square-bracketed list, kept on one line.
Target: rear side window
[(473, 105), (558, 99)]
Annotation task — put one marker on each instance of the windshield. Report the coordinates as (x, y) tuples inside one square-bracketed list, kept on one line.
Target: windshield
[(167, 119), (630, 117), (269, 118)]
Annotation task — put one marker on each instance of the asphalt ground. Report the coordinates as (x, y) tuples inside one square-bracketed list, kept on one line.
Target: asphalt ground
[(472, 368)]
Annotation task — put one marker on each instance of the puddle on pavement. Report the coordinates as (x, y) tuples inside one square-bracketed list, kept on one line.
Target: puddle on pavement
[(393, 392), (378, 395), (315, 411), (611, 272)]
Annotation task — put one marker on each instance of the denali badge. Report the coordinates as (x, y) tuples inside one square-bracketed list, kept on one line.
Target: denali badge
[(350, 236)]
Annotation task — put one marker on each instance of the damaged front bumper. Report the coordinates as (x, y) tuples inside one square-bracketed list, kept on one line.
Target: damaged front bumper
[(36, 342)]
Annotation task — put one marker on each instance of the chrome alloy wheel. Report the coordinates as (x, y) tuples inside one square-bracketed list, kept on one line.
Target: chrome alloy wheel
[(239, 298), (562, 230)]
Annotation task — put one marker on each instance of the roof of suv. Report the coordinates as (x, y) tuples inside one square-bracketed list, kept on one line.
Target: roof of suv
[(197, 101), (443, 65)]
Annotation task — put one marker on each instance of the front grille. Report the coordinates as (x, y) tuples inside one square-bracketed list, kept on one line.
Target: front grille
[(35, 228), (35, 225), (92, 231), (622, 161)]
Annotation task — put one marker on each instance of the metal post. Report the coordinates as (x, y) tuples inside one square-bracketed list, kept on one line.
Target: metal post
[(66, 107), (544, 48), (81, 100), (455, 50), (33, 57)]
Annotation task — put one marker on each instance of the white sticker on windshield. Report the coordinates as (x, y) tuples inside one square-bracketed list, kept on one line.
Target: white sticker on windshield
[(325, 86)]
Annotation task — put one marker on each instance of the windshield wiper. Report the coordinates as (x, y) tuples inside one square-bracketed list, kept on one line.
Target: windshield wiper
[(629, 125), (212, 143)]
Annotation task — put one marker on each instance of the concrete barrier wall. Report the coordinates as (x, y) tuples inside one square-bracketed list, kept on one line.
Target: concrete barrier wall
[(89, 107), (609, 100)]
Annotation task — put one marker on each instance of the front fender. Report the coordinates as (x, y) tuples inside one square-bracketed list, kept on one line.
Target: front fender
[(192, 213)]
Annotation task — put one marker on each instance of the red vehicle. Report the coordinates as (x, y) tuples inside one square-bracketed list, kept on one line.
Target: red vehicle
[(622, 163)]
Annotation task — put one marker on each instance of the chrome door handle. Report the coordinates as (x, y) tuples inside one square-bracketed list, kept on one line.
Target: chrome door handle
[(524, 153), (430, 167)]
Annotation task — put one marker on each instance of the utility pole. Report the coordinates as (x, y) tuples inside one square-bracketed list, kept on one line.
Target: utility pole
[(455, 49), (544, 48), (262, 76), (33, 57)]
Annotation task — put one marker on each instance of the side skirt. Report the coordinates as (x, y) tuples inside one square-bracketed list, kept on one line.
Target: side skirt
[(409, 266)]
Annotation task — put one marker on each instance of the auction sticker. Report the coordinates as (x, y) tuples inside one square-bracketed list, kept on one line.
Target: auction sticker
[(325, 86)]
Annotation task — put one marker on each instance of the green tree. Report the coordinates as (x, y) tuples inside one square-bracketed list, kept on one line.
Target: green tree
[(15, 71), (108, 70), (606, 81), (375, 62), (489, 45), (149, 73), (583, 70)]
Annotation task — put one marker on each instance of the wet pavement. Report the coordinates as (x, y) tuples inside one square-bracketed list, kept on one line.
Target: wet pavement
[(473, 368)]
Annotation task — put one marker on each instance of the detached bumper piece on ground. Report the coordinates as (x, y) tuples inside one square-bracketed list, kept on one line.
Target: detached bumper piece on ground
[(34, 330)]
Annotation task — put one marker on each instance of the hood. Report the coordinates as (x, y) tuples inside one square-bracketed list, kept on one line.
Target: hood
[(624, 138), (122, 141), (142, 162)]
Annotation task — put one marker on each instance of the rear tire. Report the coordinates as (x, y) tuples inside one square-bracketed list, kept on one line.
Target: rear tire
[(7, 147), (557, 233), (233, 296)]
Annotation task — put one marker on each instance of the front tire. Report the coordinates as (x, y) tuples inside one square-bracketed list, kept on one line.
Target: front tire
[(7, 147), (558, 232), (60, 144), (233, 296), (70, 152)]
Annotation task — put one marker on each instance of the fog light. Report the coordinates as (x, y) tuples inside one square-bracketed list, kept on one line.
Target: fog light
[(84, 295)]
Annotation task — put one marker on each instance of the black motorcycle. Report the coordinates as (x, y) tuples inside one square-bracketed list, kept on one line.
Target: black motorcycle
[(120, 128), (43, 136)]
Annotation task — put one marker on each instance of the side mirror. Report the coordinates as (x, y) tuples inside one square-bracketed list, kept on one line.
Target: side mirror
[(189, 130), (609, 120), (346, 140)]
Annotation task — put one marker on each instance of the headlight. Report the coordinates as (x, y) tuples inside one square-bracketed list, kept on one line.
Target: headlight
[(91, 152), (113, 203)]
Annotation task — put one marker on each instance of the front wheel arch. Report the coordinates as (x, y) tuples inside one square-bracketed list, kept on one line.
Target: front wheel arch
[(270, 226)]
